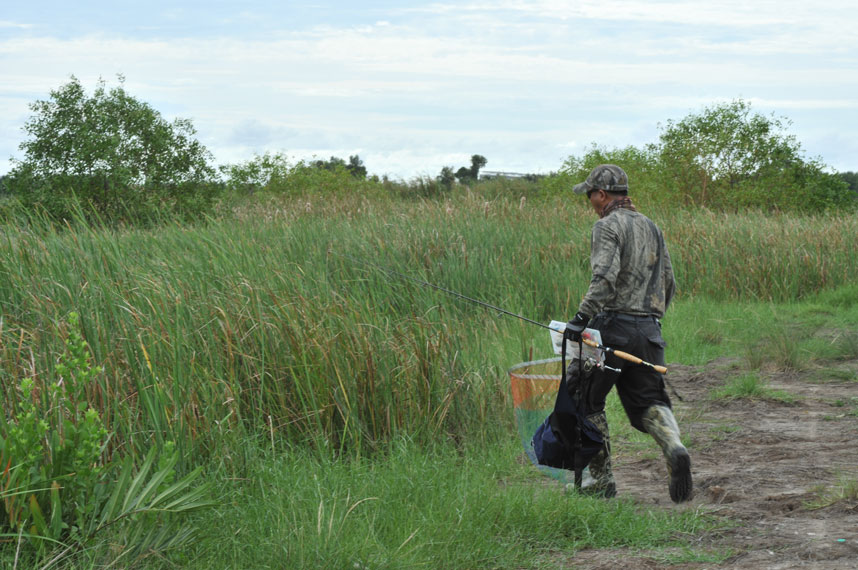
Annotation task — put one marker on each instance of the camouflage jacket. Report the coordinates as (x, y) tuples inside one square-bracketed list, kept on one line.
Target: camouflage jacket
[(632, 273)]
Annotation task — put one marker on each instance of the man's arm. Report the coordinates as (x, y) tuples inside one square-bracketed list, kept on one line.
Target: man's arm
[(669, 280), (605, 265)]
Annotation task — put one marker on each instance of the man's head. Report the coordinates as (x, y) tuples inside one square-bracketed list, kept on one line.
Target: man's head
[(607, 177), (605, 183)]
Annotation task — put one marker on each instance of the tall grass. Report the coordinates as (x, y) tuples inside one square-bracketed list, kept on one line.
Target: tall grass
[(761, 256), (424, 506), (261, 330), (215, 329), (264, 322)]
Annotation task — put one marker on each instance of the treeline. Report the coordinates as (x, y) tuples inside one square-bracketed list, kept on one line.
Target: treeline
[(113, 159), (727, 158)]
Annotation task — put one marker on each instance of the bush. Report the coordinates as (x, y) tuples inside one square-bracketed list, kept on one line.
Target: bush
[(57, 487), (724, 158), (113, 155), (273, 174)]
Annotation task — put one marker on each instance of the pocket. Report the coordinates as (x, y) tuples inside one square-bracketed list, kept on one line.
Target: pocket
[(657, 340), (614, 339)]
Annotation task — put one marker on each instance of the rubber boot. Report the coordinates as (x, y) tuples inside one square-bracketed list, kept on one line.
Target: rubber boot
[(661, 425), (600, 466)]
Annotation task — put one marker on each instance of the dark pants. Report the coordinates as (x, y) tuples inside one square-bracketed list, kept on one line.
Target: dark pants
[(638, 386)]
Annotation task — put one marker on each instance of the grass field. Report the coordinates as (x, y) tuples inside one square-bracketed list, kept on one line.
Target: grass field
[(345, 417)]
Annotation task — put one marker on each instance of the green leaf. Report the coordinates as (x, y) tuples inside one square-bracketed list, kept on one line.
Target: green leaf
[(131, 495), (38, 518)]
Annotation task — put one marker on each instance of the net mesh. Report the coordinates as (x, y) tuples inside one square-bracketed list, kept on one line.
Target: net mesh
[(534, 388)]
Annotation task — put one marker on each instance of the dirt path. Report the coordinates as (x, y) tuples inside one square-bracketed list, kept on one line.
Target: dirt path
[(758, 464)]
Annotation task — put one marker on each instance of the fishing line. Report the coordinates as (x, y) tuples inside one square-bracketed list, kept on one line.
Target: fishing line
[(439, 288), (618, 353)]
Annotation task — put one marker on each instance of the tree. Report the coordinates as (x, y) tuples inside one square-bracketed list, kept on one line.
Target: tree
[(447, 177), (472, 174), (463, 175), (263, 172), (728, 157), (356, 167), (851, 179), (335, 163), (477, 162), (113, 152)]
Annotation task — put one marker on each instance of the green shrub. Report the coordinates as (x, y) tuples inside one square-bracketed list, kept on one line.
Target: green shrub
[(113, 155), (57, 487), (725, 158), (273, 174), (51, 447)]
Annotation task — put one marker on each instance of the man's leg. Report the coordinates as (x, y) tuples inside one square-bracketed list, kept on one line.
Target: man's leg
[(600, 465), (593, 390), (661, 425)]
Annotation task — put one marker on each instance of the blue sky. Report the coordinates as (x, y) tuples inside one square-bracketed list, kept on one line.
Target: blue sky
[(415, 86)]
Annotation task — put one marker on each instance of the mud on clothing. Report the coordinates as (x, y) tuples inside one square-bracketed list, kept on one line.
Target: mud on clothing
[(631, 288), (638, 386), (632, 272)]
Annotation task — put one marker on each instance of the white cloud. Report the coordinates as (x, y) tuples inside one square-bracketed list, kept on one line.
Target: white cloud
[(14, 25), (518, 79), (728, 13)]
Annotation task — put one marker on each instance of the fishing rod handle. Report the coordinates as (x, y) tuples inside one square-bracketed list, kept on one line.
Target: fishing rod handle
[(625, 355), (636, 360)]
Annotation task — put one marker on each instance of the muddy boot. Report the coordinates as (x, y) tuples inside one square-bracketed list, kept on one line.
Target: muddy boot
[(603, 484), (661, 425)]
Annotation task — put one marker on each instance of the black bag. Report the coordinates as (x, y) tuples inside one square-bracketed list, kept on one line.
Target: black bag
[(567, 439)]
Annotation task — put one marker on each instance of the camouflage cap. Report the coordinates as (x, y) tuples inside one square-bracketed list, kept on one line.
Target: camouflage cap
[(608, 177)]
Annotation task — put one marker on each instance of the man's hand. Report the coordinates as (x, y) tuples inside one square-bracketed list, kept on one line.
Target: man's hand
[(577, 325)]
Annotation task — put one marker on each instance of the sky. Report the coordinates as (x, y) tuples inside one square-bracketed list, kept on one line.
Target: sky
[(412, 86)]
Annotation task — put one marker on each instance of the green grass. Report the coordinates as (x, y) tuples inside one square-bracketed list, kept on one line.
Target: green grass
[(836, 375), (723, 432), (765, 335), (252, 329), (420, 507), (850, 406), (846, 489), (411, 506), (750, 386)]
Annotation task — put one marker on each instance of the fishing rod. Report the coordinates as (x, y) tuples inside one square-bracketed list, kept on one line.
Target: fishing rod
[(448, 291), (585, 338), (620, 354)]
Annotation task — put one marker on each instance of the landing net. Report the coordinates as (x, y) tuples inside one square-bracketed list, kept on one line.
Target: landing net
[(534, 388)]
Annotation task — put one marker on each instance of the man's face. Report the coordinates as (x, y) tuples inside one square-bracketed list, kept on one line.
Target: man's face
[(597, 199)]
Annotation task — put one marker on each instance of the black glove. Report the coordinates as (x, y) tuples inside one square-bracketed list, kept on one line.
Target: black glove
[(576, 326)]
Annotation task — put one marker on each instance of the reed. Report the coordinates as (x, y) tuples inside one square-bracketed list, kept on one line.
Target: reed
[(257, 323)]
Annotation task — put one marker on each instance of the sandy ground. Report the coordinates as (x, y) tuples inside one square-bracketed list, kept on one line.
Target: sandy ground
[(758, 465)]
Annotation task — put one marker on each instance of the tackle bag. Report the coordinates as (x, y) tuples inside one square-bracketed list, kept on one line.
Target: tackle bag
[(567, 439)]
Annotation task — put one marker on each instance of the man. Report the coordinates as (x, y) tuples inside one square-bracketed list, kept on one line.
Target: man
[(631, 288)]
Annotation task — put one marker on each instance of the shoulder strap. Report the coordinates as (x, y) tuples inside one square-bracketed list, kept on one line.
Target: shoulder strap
[(574, 445)]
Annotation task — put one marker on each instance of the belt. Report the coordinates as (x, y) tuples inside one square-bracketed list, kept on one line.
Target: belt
[(628, 318)]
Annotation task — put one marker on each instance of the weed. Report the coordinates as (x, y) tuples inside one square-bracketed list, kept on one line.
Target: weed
[(845, 490), (780, 350), (58, 492), (823, 375), (723, 432), (851, 405), (51, 448), (751, 387), (711, 337), (846, 345)]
